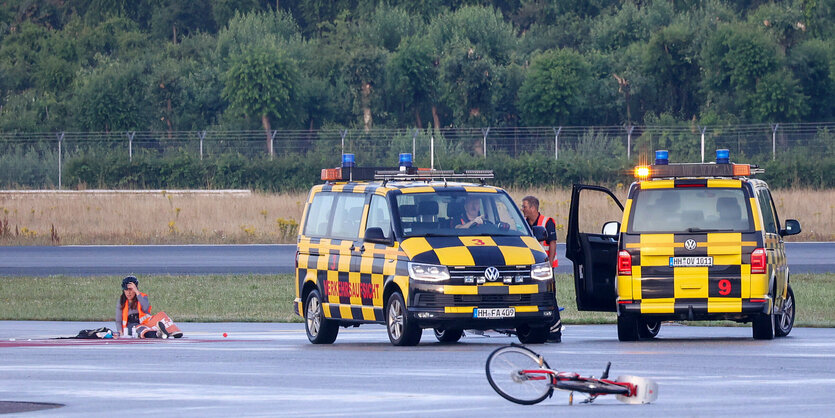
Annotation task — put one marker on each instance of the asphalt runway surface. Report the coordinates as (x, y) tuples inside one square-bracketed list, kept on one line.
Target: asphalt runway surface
[(269, 369), (804, 257)]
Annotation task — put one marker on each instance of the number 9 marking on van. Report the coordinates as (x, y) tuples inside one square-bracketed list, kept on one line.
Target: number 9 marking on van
[(724, 287)]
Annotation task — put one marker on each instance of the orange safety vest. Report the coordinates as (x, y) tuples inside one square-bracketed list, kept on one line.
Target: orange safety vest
[(542, 220), (143, 317)]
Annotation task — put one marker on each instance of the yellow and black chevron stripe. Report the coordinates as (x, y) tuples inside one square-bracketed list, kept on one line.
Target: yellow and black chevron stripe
[(664, 289)]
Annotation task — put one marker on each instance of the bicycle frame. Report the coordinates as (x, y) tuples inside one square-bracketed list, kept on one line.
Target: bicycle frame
[(627, 389), (557, 377)]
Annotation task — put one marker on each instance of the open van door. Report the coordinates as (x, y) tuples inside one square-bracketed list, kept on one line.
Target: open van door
[(594, 253)]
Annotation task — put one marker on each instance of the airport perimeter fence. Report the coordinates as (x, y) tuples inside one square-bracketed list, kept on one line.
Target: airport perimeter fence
[(37, 160)]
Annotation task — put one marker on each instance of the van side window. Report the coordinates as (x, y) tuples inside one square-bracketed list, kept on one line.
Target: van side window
[(769, 218), (347, 216), (319, 215), (379, 215)]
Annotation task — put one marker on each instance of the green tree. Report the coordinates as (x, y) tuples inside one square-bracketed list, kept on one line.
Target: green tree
[(225, 10), (262, 83), (258, 29), (733, 59), (630, 23), (553, 89), (783, 22), (482, 27), (30, 111), (111, 97), (778, 97), (19, 52), (671, 61), (115, 37), (174, 19), (468, 83), (366, 74), (813, 65), (414, 77), (387, 26)]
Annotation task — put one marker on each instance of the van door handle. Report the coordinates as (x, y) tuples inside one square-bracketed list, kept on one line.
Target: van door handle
[(362, 249)]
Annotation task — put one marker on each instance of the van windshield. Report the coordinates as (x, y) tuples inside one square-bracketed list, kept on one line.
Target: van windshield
[(459, 213), (690, 210)]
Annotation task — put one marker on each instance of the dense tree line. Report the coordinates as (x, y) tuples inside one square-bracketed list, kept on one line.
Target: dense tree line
[(169, 65)]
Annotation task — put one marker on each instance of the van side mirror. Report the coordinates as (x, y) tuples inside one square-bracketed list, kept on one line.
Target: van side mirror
[(611, 228), (540, 233), (792, 227), (375, 235)]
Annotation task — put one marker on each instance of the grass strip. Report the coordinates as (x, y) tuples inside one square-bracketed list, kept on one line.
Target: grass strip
[(268, 298)]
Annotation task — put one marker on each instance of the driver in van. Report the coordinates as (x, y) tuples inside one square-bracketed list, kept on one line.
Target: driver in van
[(471, 216)]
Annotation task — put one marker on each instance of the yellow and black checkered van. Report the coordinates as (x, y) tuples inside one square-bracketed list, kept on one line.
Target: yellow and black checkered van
[(396, 251), (695, 242)]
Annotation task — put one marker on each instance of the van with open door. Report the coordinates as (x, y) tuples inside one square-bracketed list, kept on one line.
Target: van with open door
[(691, 242)]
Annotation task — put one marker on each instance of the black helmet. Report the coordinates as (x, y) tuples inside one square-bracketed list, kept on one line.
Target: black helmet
[(129, 279)]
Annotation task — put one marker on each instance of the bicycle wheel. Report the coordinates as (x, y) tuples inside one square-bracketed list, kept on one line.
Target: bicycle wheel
[(592, 386), (505, 373)]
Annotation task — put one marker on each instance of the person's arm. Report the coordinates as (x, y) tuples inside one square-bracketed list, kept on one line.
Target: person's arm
[(118, 330), (478, 220), (551, 238), (143, 301)]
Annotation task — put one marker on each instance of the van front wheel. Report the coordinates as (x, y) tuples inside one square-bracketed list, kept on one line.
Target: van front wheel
[(448, 335), (402, 330)]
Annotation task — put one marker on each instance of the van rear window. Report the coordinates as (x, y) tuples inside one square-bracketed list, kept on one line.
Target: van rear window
[(694, 210)]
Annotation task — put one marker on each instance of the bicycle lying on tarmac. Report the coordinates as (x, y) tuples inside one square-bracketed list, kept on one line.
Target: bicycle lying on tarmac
[(520, 375)]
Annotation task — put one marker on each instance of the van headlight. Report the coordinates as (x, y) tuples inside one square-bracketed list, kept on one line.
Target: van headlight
[(542, 271), (428, 272)]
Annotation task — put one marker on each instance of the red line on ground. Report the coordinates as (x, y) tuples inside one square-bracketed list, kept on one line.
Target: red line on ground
[(84, 342)]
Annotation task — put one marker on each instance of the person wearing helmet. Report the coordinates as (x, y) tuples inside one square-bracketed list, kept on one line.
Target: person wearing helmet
[(133, 312)]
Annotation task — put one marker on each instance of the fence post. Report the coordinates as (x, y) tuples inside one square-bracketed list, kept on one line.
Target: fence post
[(432, 152), (703, 129), (272, 144), (131, 134), (414, 136), (774, 140), (629, 130), (201, 135), (485, 132), (60, 140), (344, 132), (557, 143)]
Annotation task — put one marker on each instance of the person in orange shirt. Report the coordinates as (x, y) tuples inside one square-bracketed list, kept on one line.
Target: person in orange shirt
[(530, 208), (133, 311)]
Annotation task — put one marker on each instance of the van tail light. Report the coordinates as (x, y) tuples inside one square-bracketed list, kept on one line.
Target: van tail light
[(624, 263), (758, 261)]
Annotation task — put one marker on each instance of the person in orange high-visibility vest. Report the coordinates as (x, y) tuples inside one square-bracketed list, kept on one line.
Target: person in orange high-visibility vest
[(133, 311), (530, 208)]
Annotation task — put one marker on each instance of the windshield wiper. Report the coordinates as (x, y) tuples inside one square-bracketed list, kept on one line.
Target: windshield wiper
[(709, 230)]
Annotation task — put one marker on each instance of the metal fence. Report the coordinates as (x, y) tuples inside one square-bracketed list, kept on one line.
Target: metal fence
[(22, 153)]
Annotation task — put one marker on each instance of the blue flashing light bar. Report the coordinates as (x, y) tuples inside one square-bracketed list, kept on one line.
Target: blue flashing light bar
[(406, 159), (723, 156), (662, 157), (348, 160)]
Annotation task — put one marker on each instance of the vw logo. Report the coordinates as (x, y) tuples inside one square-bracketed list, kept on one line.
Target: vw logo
[(491, 274), (690, 244)]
